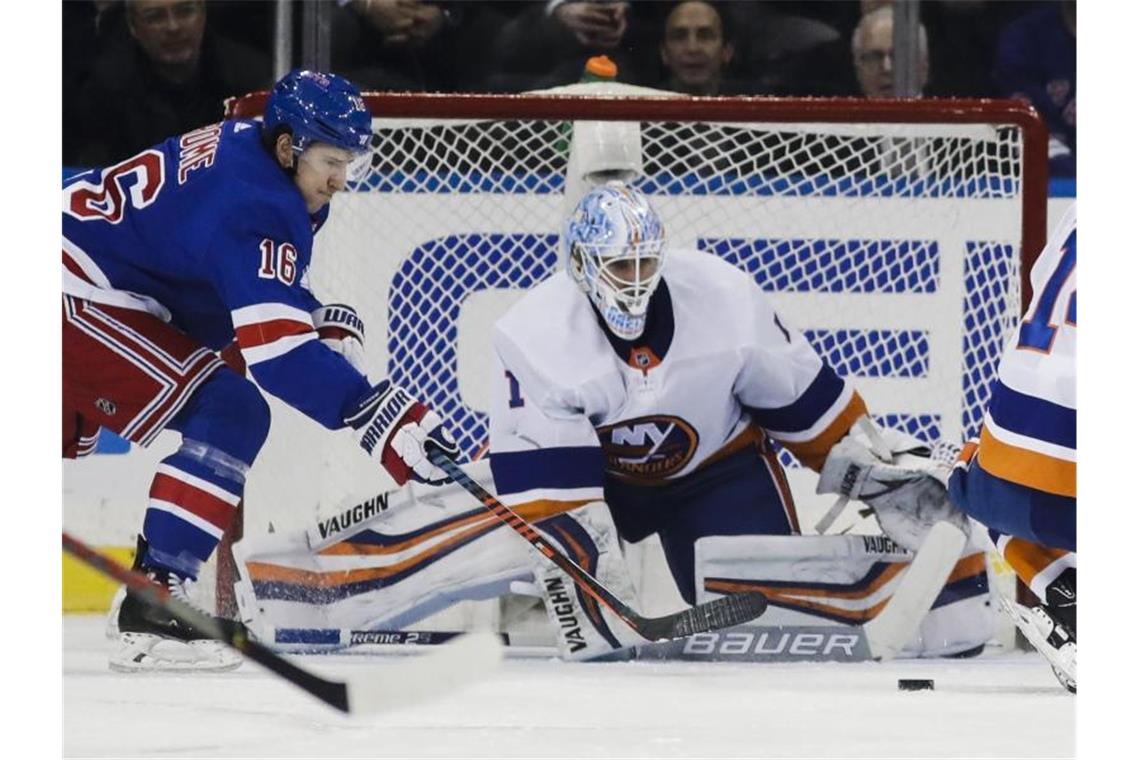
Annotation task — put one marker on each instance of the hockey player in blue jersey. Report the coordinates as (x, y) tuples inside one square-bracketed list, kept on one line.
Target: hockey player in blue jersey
[(169, 257), (1019, 478)]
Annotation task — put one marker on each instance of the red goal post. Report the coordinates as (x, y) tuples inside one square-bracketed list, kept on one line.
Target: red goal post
[(897, 234)]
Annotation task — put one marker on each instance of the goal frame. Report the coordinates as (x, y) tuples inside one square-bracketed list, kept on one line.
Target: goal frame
[(646, 107), (1035, 152)]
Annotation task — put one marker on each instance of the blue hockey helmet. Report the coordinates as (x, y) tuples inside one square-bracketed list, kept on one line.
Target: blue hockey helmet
[(614, 244), (319, 107)]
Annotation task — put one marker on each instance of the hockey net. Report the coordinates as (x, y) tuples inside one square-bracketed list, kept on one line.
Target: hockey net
[(895, 234)]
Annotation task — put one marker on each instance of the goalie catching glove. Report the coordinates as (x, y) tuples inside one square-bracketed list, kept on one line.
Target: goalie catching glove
[(897, 477), (394, 428)]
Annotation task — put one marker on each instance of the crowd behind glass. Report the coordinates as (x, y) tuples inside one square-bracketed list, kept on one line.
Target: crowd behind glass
[(138, 71)]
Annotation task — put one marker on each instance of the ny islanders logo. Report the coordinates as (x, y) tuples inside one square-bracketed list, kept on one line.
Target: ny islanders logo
[(648, 448)]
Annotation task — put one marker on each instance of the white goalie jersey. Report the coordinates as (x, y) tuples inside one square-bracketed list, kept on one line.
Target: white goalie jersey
[(714, 367)]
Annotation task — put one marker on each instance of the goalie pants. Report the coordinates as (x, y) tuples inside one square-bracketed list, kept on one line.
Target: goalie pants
[(743, 494), (136, 375)]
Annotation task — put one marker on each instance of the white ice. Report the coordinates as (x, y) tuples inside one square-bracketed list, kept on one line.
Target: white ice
[(1006, 705)]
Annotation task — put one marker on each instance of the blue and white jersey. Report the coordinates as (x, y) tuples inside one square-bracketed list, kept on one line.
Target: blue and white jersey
[(207, 232), (1029, 437), (572, 403)]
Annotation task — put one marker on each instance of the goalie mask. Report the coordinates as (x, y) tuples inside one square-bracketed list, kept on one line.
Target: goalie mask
[(614, 243)]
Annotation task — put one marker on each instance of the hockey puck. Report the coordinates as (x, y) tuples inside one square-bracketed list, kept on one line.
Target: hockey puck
[(916, 684)]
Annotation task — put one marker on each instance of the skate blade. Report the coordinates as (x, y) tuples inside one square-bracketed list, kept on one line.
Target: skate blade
[(112, 629), (148, 653)]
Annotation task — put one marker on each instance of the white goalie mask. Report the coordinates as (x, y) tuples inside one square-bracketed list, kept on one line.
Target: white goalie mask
[(614, 243)]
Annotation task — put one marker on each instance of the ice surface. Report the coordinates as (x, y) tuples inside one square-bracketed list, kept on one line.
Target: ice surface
[(1005, 705)]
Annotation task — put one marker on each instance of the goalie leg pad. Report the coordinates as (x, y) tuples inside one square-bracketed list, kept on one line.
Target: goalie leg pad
[(846, 581), (585, 629), (384, 562)]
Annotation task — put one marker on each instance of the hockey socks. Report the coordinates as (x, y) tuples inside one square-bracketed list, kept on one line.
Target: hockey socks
[(193, 500)]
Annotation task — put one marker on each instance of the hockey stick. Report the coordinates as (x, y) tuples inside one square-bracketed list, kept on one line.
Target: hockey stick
[(453, 665), (723, 612)]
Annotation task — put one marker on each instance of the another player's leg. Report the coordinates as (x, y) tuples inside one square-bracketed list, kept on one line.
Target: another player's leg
[(132, 373), (1036, 533), (1051, 626), (192, 501)]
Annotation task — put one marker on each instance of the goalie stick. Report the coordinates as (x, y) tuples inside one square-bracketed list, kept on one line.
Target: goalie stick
[(723, 612), (890, 630), (468, 658)]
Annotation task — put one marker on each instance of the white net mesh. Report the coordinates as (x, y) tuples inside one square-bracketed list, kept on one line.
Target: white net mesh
[(895, 247)]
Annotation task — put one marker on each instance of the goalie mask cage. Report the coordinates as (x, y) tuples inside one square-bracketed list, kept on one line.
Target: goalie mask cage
[(896, 234)]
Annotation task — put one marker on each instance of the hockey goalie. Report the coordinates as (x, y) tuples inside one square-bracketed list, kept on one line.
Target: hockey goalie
[(639, 390)]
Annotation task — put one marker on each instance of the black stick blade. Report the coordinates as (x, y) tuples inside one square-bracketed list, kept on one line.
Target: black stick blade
[(724, 612)]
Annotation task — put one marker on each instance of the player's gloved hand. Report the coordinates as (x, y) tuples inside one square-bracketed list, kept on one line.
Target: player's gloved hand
[(341, 329), (906, 489), (394, 428)]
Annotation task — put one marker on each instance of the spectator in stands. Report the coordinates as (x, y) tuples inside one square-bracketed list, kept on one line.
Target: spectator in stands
[(777, 52), (88, 29), (544, 44), (399, 44), (596, 25), (171, 76), (402, 22), (873, 50), (695, 50), (1037, 61)]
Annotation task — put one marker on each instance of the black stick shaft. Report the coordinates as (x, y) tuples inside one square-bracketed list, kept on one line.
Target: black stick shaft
[(333, 693), (726, 611)]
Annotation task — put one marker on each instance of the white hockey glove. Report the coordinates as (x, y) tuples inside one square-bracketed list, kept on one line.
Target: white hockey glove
[(393, 428), (341, 329), (895, 475)]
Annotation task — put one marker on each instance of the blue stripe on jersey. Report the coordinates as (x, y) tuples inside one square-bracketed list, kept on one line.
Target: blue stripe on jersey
[(1033, 417), (562, 467), (805, 411), (1015, 509)]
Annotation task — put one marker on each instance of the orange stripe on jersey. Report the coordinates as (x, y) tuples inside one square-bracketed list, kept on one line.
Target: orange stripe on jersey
[(263, 333), (812, 453), (967, 452), (1028, 558), (1025, 467), (540, 509)]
